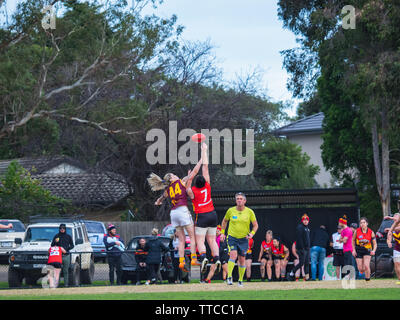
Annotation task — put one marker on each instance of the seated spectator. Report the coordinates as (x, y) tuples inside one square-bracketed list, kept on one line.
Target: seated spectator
[(279, 254), (249, 259), (263, 257), (140, 257), (223, 257)]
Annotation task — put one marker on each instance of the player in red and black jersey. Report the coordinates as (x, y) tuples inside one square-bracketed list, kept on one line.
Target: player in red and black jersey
[(206, 217), (263, 257), (280, 256)]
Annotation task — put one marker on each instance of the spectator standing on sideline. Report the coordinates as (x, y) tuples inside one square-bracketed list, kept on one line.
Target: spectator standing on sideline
[(140, 257), (114, 247), (337, 247), (302, 247), (296, 261), (175, 258), (319, 243), (155, 248), (239, 217), (64, 240), (346, 237)]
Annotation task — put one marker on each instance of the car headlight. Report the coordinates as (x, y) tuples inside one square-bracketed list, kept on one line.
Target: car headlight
[(12, 258)]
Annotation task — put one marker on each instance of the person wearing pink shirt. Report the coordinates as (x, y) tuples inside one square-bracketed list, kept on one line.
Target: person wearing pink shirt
[(346, 237)]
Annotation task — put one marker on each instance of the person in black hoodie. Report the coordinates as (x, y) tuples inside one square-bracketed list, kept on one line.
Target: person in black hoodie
[(155, 248), (302, 247), (319, 244), (64, 240), (140, 257)]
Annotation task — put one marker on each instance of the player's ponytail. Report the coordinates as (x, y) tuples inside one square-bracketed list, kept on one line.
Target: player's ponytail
[(156, 183)]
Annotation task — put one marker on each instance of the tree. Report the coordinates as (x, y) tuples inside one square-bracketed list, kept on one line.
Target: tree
[(281, 164), (22, 196), (76, 71), (368, 58)]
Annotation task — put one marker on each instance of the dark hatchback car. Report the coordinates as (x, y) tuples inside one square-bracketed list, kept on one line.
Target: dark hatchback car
[(382, 264), (128, 261)]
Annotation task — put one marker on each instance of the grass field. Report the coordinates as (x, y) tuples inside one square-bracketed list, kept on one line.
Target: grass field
[(300, 294), (319, 290)]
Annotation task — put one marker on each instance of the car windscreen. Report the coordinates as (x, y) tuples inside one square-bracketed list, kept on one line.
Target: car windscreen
[(43, 233), (94, 227), (17, 226), (134, 242), (385, 224)]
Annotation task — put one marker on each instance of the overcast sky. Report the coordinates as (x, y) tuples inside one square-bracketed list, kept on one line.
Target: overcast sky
[(246, 34)]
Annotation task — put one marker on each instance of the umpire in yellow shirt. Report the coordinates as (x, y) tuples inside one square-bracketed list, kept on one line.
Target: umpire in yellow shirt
[(239, 219)]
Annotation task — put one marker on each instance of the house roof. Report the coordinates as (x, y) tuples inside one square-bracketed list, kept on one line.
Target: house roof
[(82, 188), (310, 124), (40, 164), (85, 188)]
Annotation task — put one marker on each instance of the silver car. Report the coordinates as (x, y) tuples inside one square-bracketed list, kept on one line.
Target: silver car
[(96, 231), (7, 237)]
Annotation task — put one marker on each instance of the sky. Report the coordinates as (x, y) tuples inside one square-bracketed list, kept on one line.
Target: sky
[(246, 35)]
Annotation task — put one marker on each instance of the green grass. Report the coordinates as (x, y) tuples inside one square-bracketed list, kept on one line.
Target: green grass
[(312, 294)]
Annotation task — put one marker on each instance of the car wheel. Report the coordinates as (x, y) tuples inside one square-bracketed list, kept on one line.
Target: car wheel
[(88, 274), (75, 275), (14, 278), (124, 278), (31, 281)]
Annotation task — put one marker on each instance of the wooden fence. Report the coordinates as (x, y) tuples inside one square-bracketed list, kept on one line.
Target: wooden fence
[(128, 230)]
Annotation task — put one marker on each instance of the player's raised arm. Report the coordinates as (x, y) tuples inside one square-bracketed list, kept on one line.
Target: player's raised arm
[(204, 156), (192, 174)]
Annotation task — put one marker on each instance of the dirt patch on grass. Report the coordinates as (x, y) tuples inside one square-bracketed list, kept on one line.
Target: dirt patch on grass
[(359, 284)]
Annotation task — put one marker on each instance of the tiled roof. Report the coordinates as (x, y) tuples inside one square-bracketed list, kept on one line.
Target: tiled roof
[(86, 188), (81, 188), (40, 164), (311, 124)]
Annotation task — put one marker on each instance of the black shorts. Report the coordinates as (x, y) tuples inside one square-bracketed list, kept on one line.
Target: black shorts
[(56, 265), (338, 260), (265, 256), (347, 258), (361, 252), (249, 256), (224, 257), (276, 258), (206, 220)]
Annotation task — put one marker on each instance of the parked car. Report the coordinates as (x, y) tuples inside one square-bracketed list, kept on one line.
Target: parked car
[(382, 264), (30, 259), (96, 231), (128, 262), (7, 237)]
